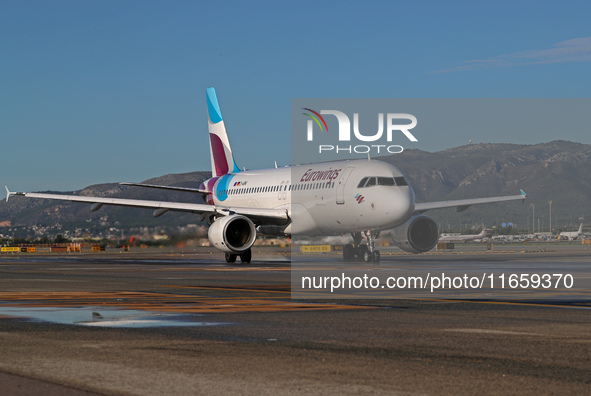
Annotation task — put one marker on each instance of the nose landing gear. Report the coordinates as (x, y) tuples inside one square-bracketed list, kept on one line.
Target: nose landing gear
[(366, 253)]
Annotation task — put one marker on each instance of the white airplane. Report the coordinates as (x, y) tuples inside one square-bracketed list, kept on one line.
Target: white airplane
[(462, 238), (572, 234), (359, 197)]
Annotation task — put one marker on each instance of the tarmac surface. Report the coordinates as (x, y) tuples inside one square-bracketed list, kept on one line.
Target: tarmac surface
[(156, 323)]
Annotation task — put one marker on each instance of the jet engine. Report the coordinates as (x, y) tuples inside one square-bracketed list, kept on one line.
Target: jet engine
[(232, 234), (419, 234)]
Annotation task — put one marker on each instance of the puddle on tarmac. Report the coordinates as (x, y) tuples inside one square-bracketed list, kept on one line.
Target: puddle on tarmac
[(105, 317)]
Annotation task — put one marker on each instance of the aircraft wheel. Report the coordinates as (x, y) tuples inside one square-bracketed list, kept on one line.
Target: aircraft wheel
[(361, 251), (246, 256), (376, 256), (368, 257), (348, 252), (231, 258)]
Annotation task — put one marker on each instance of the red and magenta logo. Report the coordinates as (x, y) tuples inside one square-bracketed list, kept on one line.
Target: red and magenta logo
[(317, 118)]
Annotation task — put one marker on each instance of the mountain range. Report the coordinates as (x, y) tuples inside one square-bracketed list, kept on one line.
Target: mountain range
[(559, 171)]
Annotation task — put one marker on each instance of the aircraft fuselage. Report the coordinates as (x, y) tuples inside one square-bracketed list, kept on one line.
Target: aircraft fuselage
[(326, 198)]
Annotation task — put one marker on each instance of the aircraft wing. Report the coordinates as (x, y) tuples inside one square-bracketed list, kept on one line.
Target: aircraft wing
[(185, 189), (258, 215), (463, 204)]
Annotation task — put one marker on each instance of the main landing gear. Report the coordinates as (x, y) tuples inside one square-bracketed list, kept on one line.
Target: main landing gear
[(366, 253), (245, 257)]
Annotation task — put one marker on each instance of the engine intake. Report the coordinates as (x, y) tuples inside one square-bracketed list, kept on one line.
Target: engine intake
[(419, 234), (232, 234)]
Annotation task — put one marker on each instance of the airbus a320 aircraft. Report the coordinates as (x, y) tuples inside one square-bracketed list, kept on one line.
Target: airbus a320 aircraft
[(572, 235), (462, 238), (359, 197)]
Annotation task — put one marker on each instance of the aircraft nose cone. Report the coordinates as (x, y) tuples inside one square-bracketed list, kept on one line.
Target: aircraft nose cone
[(401, 204)]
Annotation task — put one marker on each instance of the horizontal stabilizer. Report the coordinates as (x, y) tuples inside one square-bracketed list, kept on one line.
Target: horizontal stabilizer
[(186, 189)]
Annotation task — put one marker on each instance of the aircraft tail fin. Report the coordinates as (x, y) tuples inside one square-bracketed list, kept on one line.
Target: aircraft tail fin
[(580, 229), (222, 159)]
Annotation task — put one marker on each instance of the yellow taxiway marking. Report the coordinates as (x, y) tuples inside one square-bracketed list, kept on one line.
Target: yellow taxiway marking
[(230, 288), (249, 269), (162, 302), (518, 303)]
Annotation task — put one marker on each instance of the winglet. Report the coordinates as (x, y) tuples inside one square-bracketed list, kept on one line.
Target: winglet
[(523, 193), (10, 193)]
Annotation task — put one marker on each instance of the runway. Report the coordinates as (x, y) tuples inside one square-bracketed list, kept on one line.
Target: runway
[(154, 323)]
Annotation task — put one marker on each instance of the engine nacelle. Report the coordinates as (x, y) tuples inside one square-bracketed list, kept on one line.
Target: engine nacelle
[(274, 230), (419, 234), (232, 234)]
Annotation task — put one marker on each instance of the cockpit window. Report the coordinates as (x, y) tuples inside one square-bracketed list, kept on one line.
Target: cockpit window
[(371, 181), (401, 181), (385, 181)]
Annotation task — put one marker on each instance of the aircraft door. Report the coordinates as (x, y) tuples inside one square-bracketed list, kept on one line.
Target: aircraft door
[(341, 185)]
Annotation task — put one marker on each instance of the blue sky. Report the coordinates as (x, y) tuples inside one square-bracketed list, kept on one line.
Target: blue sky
[(108, 91)]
